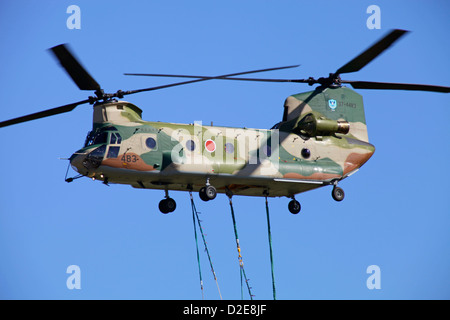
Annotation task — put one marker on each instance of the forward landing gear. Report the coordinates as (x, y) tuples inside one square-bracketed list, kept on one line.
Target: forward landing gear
[(167, 204)]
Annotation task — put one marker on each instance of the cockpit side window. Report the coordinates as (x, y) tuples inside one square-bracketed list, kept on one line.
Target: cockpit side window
[(113, 152), (115, 138), (119, 138)]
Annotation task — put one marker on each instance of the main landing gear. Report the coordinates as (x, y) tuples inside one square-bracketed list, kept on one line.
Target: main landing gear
[(337, 194), (167, 204), (208, 192), (294, 206)]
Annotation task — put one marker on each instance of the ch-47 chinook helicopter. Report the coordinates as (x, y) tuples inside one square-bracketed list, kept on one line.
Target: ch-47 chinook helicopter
[(321, 139)]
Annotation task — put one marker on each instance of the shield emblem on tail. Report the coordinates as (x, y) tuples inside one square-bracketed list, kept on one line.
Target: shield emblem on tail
[(332, 104)]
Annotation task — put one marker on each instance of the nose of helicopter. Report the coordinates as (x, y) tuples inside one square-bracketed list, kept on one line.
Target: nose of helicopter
[(87, 161), (76, 161)]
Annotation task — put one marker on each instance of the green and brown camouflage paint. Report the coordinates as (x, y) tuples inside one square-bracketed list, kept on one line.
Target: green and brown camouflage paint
[(322, 138)]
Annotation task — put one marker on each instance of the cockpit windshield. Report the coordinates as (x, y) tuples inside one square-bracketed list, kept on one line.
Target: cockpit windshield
[(100, 136)]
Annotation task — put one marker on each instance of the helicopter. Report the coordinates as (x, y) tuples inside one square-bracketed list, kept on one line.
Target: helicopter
[(321, 139)]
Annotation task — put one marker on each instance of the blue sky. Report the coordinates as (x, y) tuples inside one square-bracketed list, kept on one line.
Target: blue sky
[(396, 213)]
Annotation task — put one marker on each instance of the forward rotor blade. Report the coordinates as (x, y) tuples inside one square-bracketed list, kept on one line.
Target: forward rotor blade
[(76, 71), (209, 77), (206, 77), (43, 114), (203, 79), (371, 53), (396, 86)]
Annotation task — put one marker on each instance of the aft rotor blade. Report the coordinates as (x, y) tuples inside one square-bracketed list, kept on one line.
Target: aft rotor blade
[(43, 114), (354, 84), (204, 79), (76, 71), (371, 53), (396, 86)]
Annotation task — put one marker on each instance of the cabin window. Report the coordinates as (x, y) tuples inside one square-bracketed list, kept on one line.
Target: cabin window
[(190, 145), (267, 150), (229, 147), (306, 153), (150, 143)]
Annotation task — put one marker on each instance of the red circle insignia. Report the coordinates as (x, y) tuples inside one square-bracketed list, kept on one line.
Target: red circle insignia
[(210, 145)]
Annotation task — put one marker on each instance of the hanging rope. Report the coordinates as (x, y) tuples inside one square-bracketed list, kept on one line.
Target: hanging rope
[(241, 262), (270, 247), (196, 218), (196, 245)]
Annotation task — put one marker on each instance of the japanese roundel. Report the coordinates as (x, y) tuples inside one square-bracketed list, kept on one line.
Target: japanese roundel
[(210, 145)]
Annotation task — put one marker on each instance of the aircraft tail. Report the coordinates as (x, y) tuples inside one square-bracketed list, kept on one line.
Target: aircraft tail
[(330, 110)]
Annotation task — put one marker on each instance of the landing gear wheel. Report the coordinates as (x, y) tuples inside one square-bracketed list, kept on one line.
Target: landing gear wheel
[(207, 193), (210, 192), (202, 194), (337, 194), (294, 206), (167, 205)]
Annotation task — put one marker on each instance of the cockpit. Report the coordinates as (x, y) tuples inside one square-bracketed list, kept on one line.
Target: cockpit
[(100, 136)]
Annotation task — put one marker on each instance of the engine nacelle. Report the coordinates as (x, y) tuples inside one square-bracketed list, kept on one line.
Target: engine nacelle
[(316, 125)]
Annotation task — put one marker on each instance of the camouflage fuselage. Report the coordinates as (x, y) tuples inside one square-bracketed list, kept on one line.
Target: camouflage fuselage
[(322, 139)]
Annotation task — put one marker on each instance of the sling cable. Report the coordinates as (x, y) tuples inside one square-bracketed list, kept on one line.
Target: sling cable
[(195, 219), (266, 194), (241, 262)]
